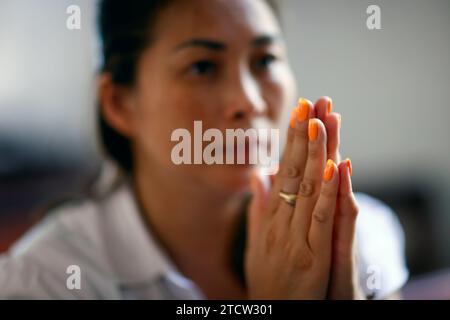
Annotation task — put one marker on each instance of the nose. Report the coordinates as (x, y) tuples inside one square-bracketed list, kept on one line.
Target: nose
[(244, 98)]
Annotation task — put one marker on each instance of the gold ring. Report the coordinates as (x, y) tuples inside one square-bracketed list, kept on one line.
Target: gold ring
[(290, 198)]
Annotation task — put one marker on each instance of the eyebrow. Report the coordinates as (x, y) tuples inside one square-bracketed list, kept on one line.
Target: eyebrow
[(215, 45), (265, 40)]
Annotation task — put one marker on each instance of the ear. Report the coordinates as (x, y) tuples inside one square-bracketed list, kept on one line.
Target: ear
[(115, 104)]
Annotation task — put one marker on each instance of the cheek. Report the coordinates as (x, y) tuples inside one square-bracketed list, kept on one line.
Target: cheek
[(280, 93), (161, 111), (153, 123), (162, 107)]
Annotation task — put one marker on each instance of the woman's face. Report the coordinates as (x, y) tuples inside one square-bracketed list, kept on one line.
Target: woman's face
[(222, 62)]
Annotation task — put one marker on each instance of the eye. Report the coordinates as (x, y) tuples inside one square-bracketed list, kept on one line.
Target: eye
[(203, 67), (265, 61)]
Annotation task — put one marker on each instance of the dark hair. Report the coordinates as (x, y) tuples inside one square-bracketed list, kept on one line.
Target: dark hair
[(125, 31)]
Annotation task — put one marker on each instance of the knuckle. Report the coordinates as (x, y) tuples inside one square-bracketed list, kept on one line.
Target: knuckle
[(322, 215), (291, 135), (290, 171), (307, 188), (301, 133), (314, 151), (349, 205), (328, 191), (354, 209)]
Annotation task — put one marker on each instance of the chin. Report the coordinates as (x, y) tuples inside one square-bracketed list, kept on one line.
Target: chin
[(233, 178)]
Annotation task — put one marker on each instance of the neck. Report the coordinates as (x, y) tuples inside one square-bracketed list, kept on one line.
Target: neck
[(194, 224)]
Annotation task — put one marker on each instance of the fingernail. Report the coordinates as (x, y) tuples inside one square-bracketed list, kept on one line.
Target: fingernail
[(294, 116), (329, 106), (312, 129), (349, 165), (329, 170), (303, 109)]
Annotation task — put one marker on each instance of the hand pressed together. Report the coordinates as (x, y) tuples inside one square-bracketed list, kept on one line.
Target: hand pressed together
[(305, 250)]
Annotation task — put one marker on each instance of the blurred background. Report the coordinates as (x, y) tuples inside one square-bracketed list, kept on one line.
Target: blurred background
[(390, 85)]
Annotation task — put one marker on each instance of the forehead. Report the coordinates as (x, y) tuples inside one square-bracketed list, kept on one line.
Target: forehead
[(225, 20)]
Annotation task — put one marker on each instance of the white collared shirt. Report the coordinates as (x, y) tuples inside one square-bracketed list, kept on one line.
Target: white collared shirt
[(118, 258)]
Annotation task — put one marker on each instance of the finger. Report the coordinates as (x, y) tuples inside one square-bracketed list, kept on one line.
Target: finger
[(333, 126), (296, 142), (274, 198), (312, 179), (332, 121), (347, 212), (323, 107), (321, 230), (294, 167), (257, 207)]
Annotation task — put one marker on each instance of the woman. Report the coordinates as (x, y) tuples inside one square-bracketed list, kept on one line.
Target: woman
[(178, 231)]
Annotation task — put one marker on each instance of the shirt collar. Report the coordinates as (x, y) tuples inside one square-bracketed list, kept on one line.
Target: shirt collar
[(134, 253)]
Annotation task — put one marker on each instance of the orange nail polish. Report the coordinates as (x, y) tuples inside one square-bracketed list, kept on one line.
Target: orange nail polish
[(312, 129), (329, 106), (303, 107), (294, 116), (329, 170), (349, 164)]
